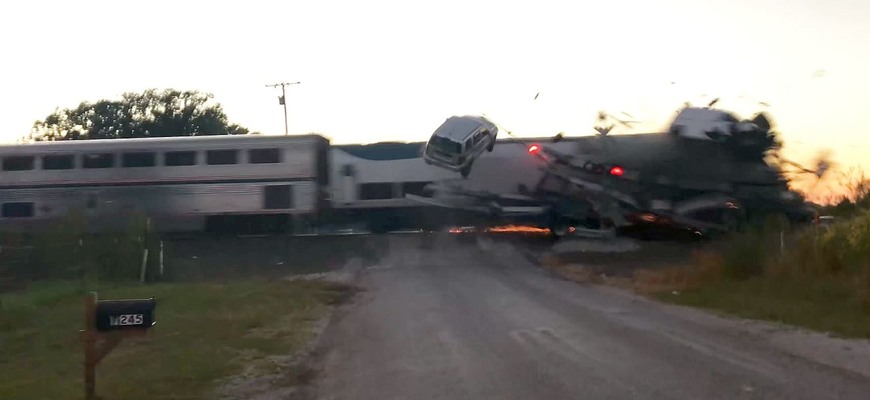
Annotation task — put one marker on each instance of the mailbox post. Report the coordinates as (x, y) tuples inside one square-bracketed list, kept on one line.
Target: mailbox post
[(106, 324)]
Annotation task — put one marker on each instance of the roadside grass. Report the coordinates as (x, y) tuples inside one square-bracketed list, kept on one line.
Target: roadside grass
[(821, 305), (204, 332), (820, 281)]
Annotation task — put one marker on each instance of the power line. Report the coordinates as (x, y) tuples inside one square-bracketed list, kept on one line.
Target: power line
[(283, 100)]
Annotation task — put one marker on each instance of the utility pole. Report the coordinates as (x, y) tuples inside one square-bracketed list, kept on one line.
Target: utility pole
[(283, 100)]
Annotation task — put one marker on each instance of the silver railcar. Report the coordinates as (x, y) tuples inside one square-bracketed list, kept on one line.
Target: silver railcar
[(181, 184)]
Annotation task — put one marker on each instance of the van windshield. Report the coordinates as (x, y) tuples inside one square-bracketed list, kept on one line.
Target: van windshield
[(445, 145)]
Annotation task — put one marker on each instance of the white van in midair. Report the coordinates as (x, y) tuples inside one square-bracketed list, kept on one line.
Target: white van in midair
[(458, 141)]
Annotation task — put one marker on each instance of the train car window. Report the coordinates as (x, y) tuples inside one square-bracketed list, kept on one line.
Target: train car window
[(18, 163), (98, 160), (376, 191), (264, 156), (179, 158), (414, 187), (65, 161), (347, 170), (17, 210), (139, 159), (277, 197), (222, 157), (91, 200)]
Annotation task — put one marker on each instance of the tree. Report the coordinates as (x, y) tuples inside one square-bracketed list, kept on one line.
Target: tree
[(152, 113)]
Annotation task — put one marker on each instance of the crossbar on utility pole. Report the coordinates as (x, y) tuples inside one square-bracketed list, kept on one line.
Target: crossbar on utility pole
[(283, 100)]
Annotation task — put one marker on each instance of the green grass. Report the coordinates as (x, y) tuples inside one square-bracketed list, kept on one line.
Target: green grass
[(822, 305), (204, 332), (820, 281)]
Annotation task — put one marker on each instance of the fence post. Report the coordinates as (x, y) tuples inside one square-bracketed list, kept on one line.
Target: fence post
[(161, 259), (782, 242), (144, 266), (90, 345)]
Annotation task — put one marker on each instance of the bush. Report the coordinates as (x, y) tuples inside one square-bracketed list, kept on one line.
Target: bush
[(67, 250), (745, 255), (820, 279), (841, 251), (59, 251), (843, 248)]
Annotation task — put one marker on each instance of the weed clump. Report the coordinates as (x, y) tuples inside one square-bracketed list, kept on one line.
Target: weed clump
[(68, 250)]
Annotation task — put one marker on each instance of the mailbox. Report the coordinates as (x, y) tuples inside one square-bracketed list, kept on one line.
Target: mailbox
[(125, 314)]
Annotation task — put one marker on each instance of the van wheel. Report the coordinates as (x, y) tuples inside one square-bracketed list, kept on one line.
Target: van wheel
[(465, 171)]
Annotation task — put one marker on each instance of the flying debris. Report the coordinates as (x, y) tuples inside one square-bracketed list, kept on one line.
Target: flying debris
[(707, 173), (606, 122)]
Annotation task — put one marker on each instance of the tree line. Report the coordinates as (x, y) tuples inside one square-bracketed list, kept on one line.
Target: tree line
[(152, 113)]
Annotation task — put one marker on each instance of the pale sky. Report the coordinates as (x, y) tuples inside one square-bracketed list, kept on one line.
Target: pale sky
[(394, 70)]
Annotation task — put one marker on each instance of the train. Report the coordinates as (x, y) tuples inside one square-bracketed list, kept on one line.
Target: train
[(180, 184), (240, 183)]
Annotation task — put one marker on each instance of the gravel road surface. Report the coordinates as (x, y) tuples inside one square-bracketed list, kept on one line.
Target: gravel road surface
[(477, 320)]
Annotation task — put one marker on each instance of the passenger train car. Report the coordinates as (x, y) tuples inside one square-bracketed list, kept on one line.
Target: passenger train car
[(182, 184), (249, 183)]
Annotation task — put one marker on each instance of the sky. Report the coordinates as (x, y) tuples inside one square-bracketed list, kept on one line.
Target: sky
[(394, 70)]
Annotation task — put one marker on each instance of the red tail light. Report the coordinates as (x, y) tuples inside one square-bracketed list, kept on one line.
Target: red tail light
[(534, 149), (617, 171)]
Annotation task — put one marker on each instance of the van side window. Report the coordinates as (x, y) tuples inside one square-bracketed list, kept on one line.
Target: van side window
[(479, 136)]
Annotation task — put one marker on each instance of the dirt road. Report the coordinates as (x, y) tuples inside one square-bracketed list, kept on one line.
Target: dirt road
[(479, 321)]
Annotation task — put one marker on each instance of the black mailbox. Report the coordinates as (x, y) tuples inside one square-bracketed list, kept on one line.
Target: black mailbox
[(125, 314)]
